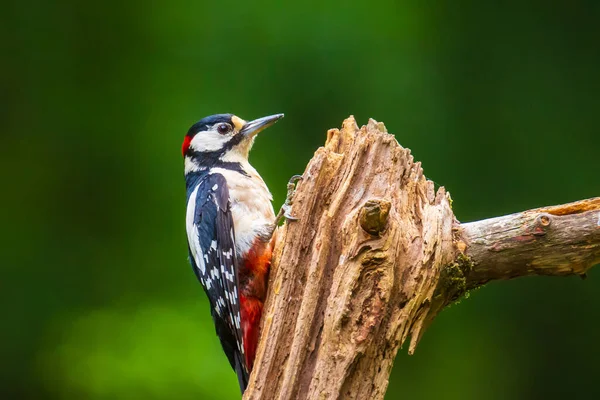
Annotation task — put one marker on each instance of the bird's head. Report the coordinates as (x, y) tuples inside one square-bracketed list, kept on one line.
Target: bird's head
[(223, 137)]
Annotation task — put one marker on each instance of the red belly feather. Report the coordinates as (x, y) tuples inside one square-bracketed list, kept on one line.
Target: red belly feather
[(253, 281)]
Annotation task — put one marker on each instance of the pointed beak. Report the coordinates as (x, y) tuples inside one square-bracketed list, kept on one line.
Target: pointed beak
[(253, 127)]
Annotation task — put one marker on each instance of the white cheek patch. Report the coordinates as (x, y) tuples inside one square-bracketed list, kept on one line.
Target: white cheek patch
[(209, 141)]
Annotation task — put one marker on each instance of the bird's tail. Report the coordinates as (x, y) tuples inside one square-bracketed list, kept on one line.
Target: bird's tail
[(240, 370)]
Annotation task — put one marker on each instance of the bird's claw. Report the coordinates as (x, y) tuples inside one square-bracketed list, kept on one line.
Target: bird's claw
[(286, 213), (292, 182), (286, 208)]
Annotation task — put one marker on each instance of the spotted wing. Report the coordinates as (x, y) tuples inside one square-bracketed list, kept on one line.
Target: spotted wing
[(212, 253)]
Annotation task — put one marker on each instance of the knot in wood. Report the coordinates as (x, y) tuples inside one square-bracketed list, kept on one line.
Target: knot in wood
[(544, 219), (373, 216)]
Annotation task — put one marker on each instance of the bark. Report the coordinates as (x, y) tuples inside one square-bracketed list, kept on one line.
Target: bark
[(559, 240), (376, 254)]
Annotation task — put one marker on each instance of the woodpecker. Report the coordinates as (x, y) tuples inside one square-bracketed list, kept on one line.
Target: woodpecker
[(230, 221)]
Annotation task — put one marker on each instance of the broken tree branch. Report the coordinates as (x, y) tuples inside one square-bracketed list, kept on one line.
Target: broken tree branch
[(560, 240), (376, 254)]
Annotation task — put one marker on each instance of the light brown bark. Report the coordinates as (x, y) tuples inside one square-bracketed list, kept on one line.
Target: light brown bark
[(376, 254), (558, 240)]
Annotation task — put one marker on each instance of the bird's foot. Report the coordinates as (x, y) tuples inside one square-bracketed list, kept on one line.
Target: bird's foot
[(286, 208)]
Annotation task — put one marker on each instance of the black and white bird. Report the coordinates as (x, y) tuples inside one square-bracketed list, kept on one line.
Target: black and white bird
[(230, 221)]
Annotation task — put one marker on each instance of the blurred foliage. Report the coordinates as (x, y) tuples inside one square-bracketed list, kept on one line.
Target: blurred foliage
[(500, 103)]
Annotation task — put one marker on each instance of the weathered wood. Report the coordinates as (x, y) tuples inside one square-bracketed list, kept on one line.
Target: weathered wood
[(559, 240), (375, 255)]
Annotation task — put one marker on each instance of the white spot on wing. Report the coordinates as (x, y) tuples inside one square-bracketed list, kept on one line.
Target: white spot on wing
[(192, 232), (215, 187)]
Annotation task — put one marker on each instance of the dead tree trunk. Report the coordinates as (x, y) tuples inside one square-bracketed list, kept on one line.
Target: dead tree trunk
[(376, 254)]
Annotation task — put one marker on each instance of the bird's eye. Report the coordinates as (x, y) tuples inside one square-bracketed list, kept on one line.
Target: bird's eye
[(224, 128)]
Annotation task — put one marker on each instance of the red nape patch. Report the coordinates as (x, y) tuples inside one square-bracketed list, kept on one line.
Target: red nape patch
[(186, 144)]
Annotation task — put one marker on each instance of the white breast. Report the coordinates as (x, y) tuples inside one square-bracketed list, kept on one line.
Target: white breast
[(251, 206)]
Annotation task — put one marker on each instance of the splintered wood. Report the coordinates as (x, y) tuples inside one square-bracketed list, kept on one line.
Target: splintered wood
[(376, 254), (355, 275)]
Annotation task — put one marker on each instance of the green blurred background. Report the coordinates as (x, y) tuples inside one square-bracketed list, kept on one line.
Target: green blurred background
[(500, 103)]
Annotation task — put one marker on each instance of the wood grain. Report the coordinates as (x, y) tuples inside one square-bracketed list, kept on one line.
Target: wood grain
[(376, 254)]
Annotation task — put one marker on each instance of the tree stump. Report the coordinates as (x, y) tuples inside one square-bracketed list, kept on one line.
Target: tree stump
[(376, 254)]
